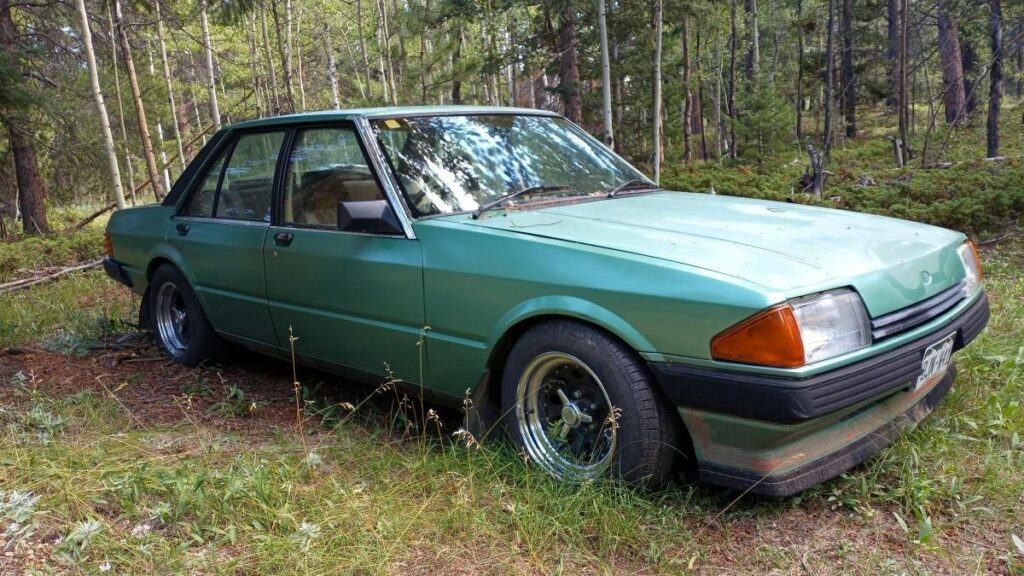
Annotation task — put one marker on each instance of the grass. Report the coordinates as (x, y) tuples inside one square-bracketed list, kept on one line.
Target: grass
[(90, 481)]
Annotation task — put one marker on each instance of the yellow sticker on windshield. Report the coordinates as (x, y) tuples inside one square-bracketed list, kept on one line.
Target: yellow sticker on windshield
[(390, 123)]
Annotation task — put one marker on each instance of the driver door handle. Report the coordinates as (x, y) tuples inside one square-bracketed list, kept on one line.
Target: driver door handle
[(182, 228), (283, 238)]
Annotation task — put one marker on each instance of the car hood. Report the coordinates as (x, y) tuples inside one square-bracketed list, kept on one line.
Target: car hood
[(784, 248)]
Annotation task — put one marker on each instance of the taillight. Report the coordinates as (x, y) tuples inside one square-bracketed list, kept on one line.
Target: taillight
[(108, 244)]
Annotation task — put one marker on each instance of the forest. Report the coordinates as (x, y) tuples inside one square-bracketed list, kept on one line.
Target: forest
[(114, 459), (106, 101)]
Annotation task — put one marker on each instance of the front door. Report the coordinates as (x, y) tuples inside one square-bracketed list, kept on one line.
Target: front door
[(352, 299), (221, 233)]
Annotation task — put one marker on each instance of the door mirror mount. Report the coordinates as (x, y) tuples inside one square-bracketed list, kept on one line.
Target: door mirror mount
[(368, 216)]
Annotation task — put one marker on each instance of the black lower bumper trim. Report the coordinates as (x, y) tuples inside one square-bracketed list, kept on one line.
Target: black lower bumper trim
[(114, 269), (833, 464), (791, 400)]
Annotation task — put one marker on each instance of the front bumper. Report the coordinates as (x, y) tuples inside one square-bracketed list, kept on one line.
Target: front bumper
[(777, 436)]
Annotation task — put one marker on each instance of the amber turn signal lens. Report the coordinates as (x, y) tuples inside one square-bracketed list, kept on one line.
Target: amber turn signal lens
[(771, 338), (108, 244), (977, 260)]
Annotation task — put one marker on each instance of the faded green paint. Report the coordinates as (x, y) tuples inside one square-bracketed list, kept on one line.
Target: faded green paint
[(665, 272)]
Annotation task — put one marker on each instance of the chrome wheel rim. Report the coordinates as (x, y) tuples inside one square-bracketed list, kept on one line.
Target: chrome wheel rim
[(565, 417), (172, 319)]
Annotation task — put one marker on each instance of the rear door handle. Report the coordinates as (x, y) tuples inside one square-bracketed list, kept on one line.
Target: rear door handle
[(283, 238), (182, 228)]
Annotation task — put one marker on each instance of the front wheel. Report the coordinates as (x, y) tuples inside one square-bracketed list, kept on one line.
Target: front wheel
[(180, 327), (581, 405)]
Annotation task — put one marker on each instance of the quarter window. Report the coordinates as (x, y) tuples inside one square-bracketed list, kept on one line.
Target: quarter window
[(201, 202), (327, 166)]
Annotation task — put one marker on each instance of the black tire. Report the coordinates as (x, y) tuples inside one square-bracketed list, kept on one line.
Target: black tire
[(649, 436), (196, 341)]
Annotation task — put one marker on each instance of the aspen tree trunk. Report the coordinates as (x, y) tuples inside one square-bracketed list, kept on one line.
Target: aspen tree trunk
[(456, 57), (332, 70), (830, 58), (658, 24), (104, 120), (167, 81), (211, 79), (849, 77), (719, 132), (262, 99), (270, 61), (385, 48), (120, 106), (166, 166), (97, 93), (284, 48), (352, 58), (362, 45), (606, 75), (995, 91), (140, 108), (298, 60)]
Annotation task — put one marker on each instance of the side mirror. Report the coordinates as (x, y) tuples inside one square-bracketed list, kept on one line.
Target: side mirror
[(369, 216)]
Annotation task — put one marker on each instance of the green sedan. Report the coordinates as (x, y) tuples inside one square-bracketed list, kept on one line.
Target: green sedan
[(505, 261)]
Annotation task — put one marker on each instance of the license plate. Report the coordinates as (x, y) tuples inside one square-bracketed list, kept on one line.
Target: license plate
[(936, 360)]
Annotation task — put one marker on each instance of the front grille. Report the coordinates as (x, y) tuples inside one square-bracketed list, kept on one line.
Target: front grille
[(917, 314)]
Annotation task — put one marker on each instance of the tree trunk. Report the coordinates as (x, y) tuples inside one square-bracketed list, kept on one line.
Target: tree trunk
[(830, 58), (284, 50), (606, 75), (120, 105), (569, 74), (140, 109), (719, 132), (362, 44), (332, 70), (656, 108), (849, 78), (167, 82), (687, 107), (456, 73), (298, 62), (31, 188), (995, 92), (263, 103), (270, 62), (954, 97), (385, 49), (101, 107), (753, 63), (731, 85), (892, 51), (800, 70), (968, 63), (904, 93), (210, 77)]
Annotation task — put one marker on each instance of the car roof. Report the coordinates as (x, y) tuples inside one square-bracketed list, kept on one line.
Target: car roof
[(386, 112)]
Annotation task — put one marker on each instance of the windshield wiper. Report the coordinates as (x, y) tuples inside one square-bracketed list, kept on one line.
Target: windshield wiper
[(506, 197), (637, 184)]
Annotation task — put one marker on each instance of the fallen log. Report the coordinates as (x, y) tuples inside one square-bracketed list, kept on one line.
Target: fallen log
[(27, 282)]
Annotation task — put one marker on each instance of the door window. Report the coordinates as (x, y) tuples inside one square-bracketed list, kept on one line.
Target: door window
[(201, 202), (248, 182), (326, 166)]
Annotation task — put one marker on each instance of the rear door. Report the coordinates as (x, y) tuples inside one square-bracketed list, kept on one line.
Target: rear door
[(351, 299), (221, 230)]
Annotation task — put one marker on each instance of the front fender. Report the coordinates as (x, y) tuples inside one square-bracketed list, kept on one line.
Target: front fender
[(572, 307)]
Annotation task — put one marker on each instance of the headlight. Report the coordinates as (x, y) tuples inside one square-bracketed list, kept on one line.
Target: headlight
[(972, 266), (799, 332)]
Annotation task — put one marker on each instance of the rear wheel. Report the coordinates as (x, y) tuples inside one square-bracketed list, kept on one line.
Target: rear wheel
[(180, 327), (582, 405)]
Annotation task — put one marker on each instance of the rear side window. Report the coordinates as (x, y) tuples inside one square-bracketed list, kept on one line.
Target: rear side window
[(248, 181), (245, 190), (326, 166)]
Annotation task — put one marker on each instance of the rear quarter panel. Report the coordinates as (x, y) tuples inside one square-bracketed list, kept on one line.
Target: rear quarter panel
[(137, 234)]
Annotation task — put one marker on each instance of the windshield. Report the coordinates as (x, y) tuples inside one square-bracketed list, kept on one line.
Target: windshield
[(448, 164)]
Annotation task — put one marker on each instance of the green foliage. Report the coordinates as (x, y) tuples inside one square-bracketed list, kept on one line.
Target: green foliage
[(764, 125), (21, 258)]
